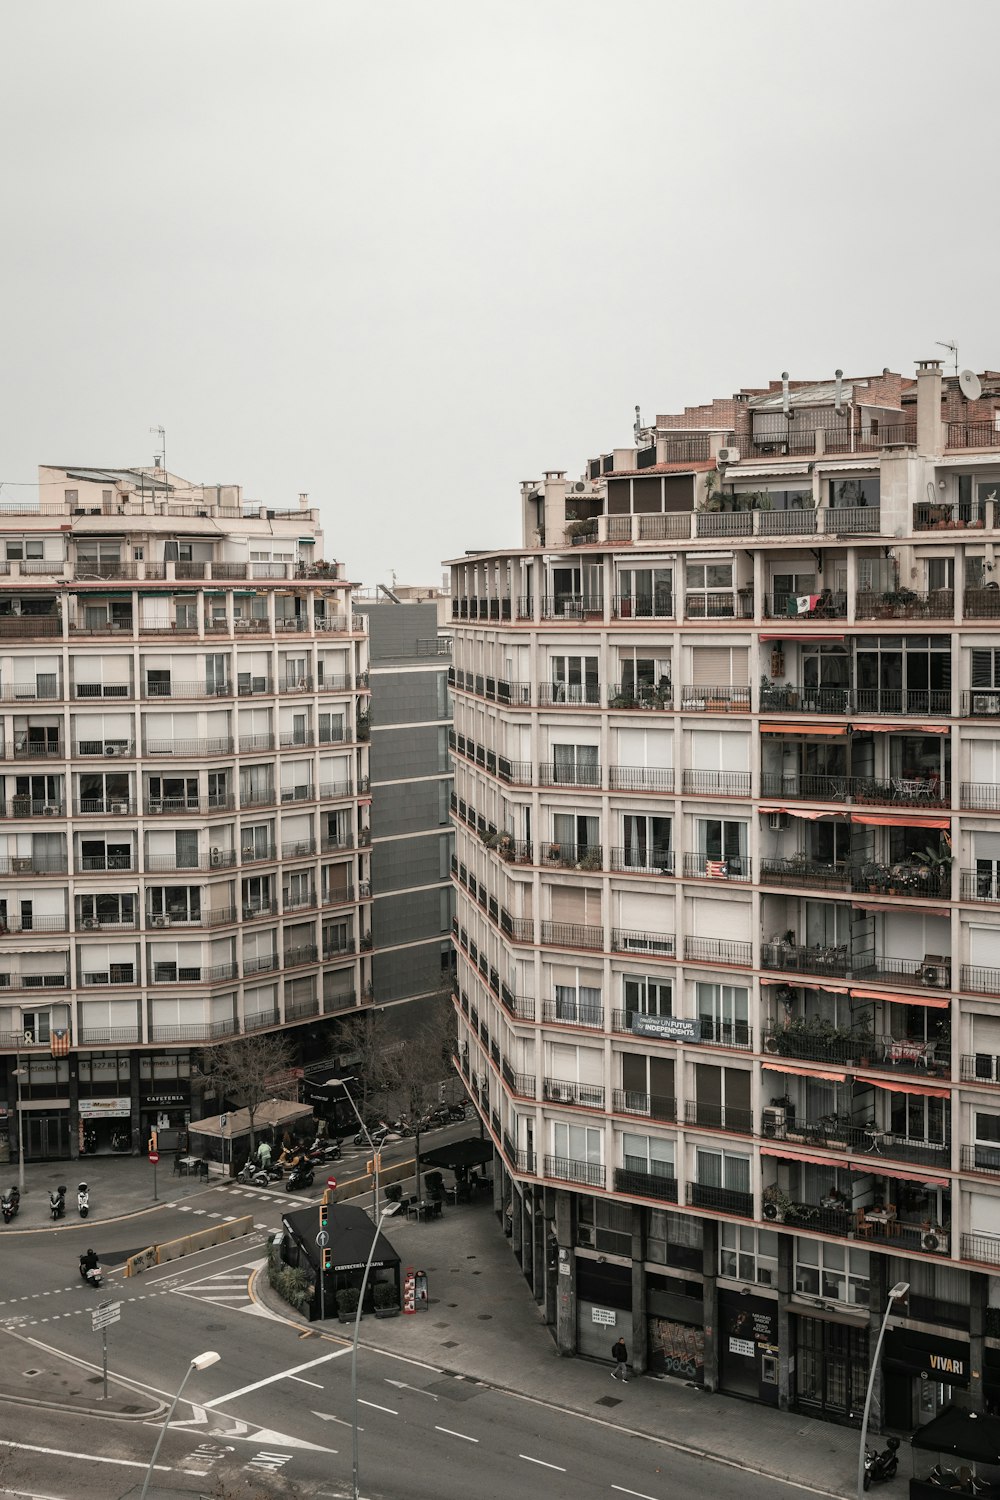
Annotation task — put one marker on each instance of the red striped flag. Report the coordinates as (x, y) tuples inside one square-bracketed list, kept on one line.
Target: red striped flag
[(60, 1042), (717, 869)]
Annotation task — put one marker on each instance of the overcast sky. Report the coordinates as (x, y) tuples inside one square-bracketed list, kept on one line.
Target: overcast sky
[(405, 253)]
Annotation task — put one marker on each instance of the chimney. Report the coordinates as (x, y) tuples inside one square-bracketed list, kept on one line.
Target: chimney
[(930, 435)]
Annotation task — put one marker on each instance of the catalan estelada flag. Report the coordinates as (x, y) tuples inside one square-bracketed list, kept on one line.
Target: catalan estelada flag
[(60, 1042), (717, 869)]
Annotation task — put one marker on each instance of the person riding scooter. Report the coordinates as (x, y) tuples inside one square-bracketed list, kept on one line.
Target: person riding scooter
[(90, 1268)]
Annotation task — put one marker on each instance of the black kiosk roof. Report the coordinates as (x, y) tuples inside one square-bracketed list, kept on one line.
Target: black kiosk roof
[(351, 1232), (472, 1152), (963, 1434)]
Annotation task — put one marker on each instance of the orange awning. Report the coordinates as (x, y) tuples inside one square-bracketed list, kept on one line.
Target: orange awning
[(888, 727), (887, 1171), (803, 729), (786, 635), (804, 812), (817, 1161), (895, 1087), (832, 989), (901, 820), (925, 911), (774, 1067), (934, 1001)]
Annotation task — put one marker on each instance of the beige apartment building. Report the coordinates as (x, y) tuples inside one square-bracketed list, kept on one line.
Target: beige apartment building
[(185, 702), (727, 869)]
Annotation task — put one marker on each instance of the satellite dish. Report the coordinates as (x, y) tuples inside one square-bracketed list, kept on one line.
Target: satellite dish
[(969, 384)]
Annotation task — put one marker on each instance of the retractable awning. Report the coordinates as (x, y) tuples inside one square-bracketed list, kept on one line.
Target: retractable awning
[(832, 989), (803, 729), (816, 1161), (785, 635), (891, 1171), (893, 1086), (934, 1002), (810, 814), (925, 911), (774, 1067), (901, 820), (884, 726)]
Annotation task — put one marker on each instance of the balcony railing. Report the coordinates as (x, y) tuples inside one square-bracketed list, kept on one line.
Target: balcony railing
[(216, 859), (572, 606), (905, 604), (979, 1158), (565, 1169), (984, 1249), (32, 864), (718, 950), (649, 1106), (646, 1185), (572, 935), (12, 924), (636, 695), (980, 885), (50, 981), (782, 605), (805, 872), (658, 606), (641, 778), (716, 783), (980, 796), (696, 698), (725, 1200), (563, 693), (980, 703), (550, 774), (715, 1033), (28, 807), (851, 520), (206, 1031), (710, 867), (171, 806), (647, 944), (923, 701), (573, 856), (971, 435), (980, 1067), (583, 1095), (515, 772), (719, 1117), (643, 861), (570, 1013), (979, 981), (818, 1041), (867, 1138), (795, 698), (966, 515), (916, 792), (981, 604), (719, 604)]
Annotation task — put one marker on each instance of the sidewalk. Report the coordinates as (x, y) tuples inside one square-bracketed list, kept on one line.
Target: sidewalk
[(484, 1324), (119, 1186)]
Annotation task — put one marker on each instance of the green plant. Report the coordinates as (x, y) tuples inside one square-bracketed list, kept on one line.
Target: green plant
[(290, 1282), (591, 860), (384, 1295), (347, 1302)]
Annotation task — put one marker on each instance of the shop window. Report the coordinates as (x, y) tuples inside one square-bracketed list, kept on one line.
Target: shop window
[(833, 1272)]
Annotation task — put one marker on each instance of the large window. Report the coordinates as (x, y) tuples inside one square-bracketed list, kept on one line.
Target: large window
[(574, 679), (910, 674), (748, 1254), (578, 1142), (833, 1272), (722, 838), (648, 1154), (576, 765), (722, 1011), (848, 493), (721, 1169), (580, 1003), (646, 996), (645, 592), (646, 842)]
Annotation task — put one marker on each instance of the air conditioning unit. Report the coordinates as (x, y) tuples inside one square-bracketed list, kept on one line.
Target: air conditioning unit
[(727, 456), (776, 821), (935, 976), (49, 811), (560, 1095), (119, 808), (935, 1241), (215, 857), (986, 703), (772, 1121), (90, 923), (158, 921)]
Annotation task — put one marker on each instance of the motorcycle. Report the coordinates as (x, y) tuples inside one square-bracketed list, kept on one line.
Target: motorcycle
[(57, 1203), (89, 1143), (90, 1270), (323, 1149), (301, 1176), (259, 1176), (880, 1467), (457, 1112), (120, 1141), (83, 1200), (10, 1203)]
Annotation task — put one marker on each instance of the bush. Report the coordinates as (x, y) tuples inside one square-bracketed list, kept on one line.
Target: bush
[(347, 1302), (292, 1284), (385, 1295)]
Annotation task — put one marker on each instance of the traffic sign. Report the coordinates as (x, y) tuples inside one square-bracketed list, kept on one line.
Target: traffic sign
[(331, 1182), (323, 1239), (105, 1315), (154, 1157)]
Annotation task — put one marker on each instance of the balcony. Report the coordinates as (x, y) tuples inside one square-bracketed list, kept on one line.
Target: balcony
[(172, 806), (724, 1200), (25, 749), (719, 1117), (110, 807), (867, 1139), (983, 1249), (206, 1031), (27, 807), (573, 856), (800, 871), (735, 1034), (851, 520), (905, 604), (797, 699), (915, 792), (982, 703), (581, 1095), (568, 694), (91, 864), (980, 1067), (648, 944), (658, 606), (53, 981), (646, 1185), (264, 963), (640, 696), (515, 851), (569, 1013), (781, 605), (515, 772), (641, 778), (979, 981), (979, 796), (107, 1036), (980, 885), (253, 910), (220, 745), (550, 774), (639, 861), (11, 925), (716, 783), (207, 974), (304, 953), (216, 859), (981, 604), (710, 867), (819, 1041), (696, 698), (720, 604), (565, 1169), (969, 515), (981, 1158), (572, 606), (718, 951), (925, 702), (646, 1106), (971, 435)]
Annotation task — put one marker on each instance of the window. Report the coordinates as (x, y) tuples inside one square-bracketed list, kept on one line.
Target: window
[(722, 838), (579, 1003), (574, 679), (720, 1169), (833, 1272), (648, 1154), (987, 1138), (71, 496), (174, 903), (645, 593), (722, 1011), (646, 996), (748, 1254), (645, 678), (186, 848), (578, 1142), (646, 842), (853, 493), (574, 834), (940, 573), (985, 668), (331, 728), (915, 1117), (576, 765)]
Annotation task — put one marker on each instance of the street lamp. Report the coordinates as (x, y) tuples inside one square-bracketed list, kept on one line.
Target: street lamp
[(18, 1074), (386, 1213), (896, 1294), (364, 1131), (200, 1362)]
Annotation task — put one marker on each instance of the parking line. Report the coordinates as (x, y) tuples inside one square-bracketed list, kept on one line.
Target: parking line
[(541, 1462), (466, 1439)]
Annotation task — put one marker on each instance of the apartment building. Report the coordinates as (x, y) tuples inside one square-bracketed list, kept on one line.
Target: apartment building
[(412, 839), (727, 855), (184, 694)]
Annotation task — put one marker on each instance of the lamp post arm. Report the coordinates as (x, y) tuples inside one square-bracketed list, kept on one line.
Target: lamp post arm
[(873, 1373), (163, 1433)]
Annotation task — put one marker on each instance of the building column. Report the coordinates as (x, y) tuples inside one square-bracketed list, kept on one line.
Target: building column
[(527, 1238), (878, 1285), (516, 1210), (709, 1269), (978, 1297), (639, 1342), (538, 1257), (786, 1353), (566, 1275)]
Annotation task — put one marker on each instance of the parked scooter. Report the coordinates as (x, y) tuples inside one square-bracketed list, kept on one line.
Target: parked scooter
[(83, 1200), (458, 1112), (301, 1176), (324, 1148), (90, 1269), (57, 1203), (89, 1142), (880, 1467), (10, 1203), (120, 1141), (252, 1173)]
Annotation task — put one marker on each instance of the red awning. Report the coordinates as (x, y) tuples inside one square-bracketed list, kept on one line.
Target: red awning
[(886, 1171), (803, 729), (888, 727), (774, 1067), (901, 820), (895, 1087), (818, 1161), (832, 989), (925, 911), (804, 812), (787, 636), (934, 1001)]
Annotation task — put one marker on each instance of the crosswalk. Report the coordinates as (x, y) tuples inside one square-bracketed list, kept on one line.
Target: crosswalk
[(229, 1288)]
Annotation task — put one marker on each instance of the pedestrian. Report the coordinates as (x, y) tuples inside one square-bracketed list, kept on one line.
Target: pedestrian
[(264, 1155), (619, 1354)]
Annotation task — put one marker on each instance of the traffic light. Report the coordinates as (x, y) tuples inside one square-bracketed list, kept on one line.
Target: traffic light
[(324, 1215), (327, 1260)]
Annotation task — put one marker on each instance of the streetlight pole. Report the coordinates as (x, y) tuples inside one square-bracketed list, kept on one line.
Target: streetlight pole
[(896, 1294), (200, 1362), (386, 1213), (20, 1118), (366, 1133)]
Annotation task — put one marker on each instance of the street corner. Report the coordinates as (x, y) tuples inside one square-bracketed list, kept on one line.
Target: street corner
[(29, 1376)]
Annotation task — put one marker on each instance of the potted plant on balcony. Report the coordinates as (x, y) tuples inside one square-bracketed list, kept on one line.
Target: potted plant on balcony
[(553, 854), (934, 866), (505, 847), (590, 860), (776, 1203)]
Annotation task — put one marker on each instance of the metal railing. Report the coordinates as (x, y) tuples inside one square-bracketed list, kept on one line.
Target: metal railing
[(725, 1200), (571, 935), (566, 1169), (783, 605), (800, 871), (949, 517), (895, 791), (649, 1106), (980, 885), (981, 1158), (648, 944), (564, 1091), (572, 606), (573, 856), (643, 861), (658, 606), (646, 1185), (641, 778), (923, 701), (711, 867), (719, 1117), (984, 1249), (32, 864), (735, 1034), (551, 774), (981, 604), (515, 772), (980, 1067), (718, 950), (979, 796), (716, 783), (572, 1013), (568, 693), (851, 520), (971, 435), (905, 604), (696, 698), (980, 981), (980, 703), (635, 695), (28, 807)]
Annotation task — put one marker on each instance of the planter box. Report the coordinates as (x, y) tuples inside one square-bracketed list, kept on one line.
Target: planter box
[(387, 1312)]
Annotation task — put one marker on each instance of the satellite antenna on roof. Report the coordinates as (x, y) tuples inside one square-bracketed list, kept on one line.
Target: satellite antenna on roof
[(970, 386), (944, 344)]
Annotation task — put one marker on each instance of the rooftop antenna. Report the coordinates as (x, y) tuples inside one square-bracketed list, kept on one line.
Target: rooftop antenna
[(160, 459), (946, 344), (637, 427)]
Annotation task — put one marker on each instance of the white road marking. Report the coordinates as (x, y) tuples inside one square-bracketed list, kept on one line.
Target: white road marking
[(466, 1439), (541, 1462), (93, 1458), (302, 1381), (245, 1390), (378, 1408), (622, 1491)]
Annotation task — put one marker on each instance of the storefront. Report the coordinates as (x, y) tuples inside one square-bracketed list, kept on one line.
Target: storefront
[(44, 1124), (676, 1349), (920, 1372), (104, 1126), (829, 1374), (603, 1306), (748, 1346), (165, 1100)]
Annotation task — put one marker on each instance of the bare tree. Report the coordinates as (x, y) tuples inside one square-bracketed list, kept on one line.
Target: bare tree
[(250, 1070), (369, 1039), (420, 1067)]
